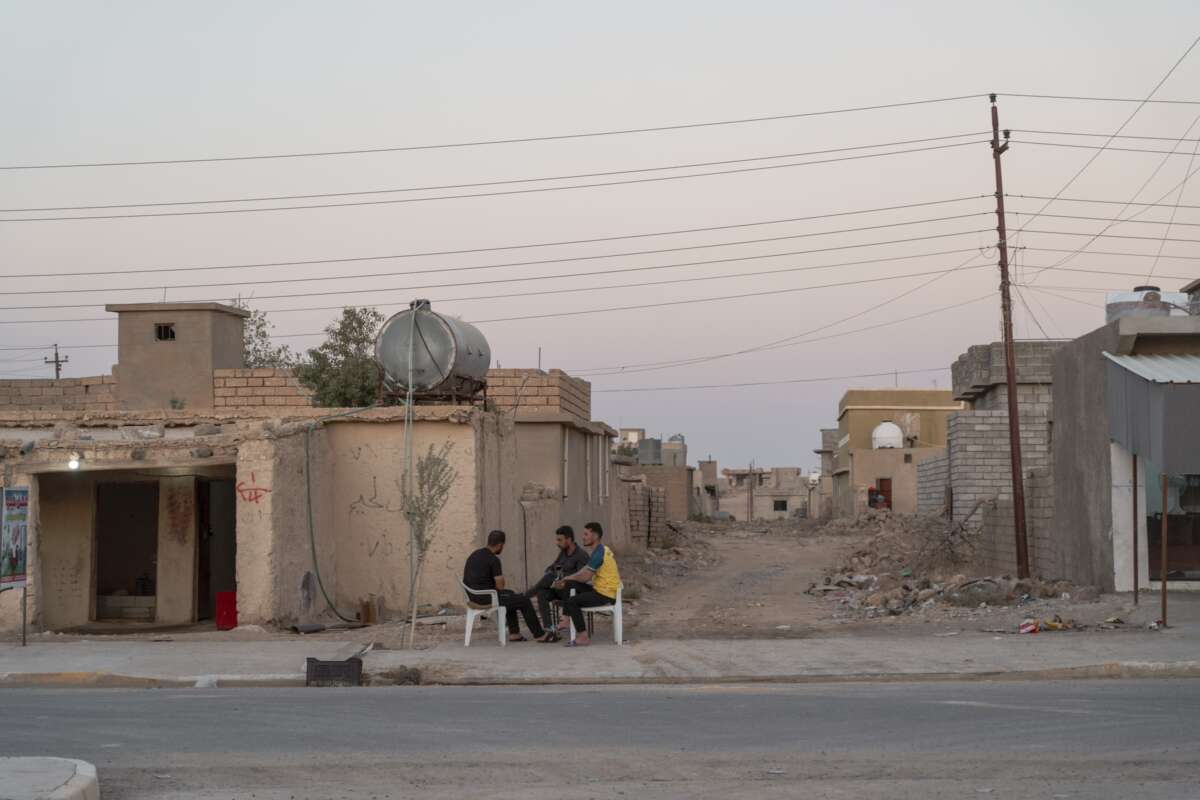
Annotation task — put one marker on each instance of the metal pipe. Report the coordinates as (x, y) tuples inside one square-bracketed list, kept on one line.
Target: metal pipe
[(1135, 531), (1162, 570)]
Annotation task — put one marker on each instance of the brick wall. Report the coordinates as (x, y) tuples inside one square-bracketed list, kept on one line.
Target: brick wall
[(647, 514), (674, 483), (242, 388), (65, 394), (980, 469), (933, 476), (534, 390)]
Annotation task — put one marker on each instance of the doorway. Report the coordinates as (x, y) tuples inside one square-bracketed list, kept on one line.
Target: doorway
[(126, 550), (216, 516), (884, 487)]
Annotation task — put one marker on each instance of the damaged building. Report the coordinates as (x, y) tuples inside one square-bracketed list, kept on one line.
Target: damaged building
[(184, 478)]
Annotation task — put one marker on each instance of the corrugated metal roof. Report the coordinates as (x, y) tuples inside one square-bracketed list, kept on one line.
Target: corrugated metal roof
[(1161, 368)]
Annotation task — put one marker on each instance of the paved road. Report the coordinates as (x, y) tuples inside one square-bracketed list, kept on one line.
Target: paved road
[(983, 740)]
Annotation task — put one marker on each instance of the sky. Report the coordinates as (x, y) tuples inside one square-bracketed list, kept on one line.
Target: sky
[(137, 81)]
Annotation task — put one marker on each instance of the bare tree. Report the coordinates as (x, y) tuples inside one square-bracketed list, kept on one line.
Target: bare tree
[(422, 501)]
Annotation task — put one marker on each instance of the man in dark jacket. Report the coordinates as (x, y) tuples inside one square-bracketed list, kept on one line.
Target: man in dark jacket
[(571, 558), (483, 573)]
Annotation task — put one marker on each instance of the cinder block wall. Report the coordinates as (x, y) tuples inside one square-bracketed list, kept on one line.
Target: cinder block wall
[(933, 475), (647, 514), (243, 388), (96, 393), (531, 389), (981, 470)]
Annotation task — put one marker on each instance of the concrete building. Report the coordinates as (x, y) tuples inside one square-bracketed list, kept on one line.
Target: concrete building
[(705, 481), (674, 451), (762, 493), (823, 496), (883, 436), (1129, 388), (142, 510)]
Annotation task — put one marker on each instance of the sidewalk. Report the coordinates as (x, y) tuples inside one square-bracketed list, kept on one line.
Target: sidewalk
[(925, 656), (47, 779)]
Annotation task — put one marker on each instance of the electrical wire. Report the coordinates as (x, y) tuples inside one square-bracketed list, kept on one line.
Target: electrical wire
[(1074, 146), (1140, 102), (348, 277), (494, 248), (628, 182), (439, 187), (486, 142), (1118, 131), (1102, 135), (377, 289), (1187, 172), (1104, 202), (694, 387), (656, 365)]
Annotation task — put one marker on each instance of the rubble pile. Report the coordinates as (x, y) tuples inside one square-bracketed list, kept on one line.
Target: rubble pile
[(887, 594), (905, 545)]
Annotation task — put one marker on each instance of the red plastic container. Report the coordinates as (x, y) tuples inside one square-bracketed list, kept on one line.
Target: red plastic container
[(226, 611)]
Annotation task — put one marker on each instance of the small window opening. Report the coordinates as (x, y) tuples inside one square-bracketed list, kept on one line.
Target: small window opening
[(781, 505), (908, 458), (164, 332)]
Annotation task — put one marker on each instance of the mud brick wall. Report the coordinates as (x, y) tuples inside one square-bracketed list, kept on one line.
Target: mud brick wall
[(97, 393), (242, 388), (534, 390)]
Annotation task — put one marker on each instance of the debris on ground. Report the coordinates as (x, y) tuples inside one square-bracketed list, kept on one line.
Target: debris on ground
[(1055, 623)]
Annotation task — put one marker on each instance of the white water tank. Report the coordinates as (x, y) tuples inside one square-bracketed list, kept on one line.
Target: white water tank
[(450, 358), (887, 436)]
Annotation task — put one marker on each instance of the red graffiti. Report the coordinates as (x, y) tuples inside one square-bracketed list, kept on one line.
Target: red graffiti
[(252, 493)]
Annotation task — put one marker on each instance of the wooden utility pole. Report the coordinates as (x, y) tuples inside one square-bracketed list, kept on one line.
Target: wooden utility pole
[(1162, 559), (57, 362), (750, 494), (1010, 358)]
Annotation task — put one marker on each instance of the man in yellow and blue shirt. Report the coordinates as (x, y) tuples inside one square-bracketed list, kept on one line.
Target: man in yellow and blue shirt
[(602, 571)]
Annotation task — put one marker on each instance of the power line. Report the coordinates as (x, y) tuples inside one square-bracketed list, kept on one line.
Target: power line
[(346, 277), (486, 142), (1103, 202), (495, 248), (575, 176), (1074, 146), (1108, 219), (1106, 235), (689, 361), (1187, 172), (1102, 253), (1140, 102), (887, 374), (629, 182), (1118, 131), (1103, 135), (376, 289)]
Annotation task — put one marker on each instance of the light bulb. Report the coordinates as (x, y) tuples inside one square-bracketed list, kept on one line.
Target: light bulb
[(73, 461)]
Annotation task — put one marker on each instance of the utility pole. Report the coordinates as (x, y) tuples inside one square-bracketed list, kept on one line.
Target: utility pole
[(57, 362), (1010, 358), (750, 493)]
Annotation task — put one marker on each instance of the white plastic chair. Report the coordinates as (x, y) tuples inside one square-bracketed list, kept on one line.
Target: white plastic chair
[(475, 609), (614, 609)]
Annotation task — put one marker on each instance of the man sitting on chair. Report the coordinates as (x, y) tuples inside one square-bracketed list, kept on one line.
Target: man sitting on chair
[(571, 558), (601, 570), (484, 573)]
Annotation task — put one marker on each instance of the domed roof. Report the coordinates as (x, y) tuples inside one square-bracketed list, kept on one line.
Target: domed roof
[(887, 436)]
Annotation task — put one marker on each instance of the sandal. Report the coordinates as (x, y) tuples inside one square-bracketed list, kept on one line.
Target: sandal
[(550, 637), (577, 643)]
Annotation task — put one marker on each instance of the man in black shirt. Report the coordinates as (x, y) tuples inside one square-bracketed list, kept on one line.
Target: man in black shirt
[(571, 558), (484, 573)]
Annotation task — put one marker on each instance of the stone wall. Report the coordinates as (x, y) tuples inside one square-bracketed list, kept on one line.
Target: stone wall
[(933, 478), (242, 388), (97, 393), (536, 391), (647, 514), (982, 367)]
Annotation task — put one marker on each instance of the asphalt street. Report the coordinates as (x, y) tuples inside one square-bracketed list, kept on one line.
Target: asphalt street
[(896, 740)]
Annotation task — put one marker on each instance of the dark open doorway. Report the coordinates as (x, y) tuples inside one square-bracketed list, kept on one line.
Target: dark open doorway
[(126, 550), (217, 562)]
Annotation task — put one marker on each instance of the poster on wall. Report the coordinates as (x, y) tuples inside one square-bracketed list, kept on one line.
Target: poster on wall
[(14, 538)]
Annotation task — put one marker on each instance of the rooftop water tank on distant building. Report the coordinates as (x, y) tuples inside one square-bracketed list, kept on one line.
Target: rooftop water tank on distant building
[(1143, 301), (450, 358), (887, 436)]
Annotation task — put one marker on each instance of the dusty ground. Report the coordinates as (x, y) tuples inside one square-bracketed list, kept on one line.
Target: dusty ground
[(737, 580)]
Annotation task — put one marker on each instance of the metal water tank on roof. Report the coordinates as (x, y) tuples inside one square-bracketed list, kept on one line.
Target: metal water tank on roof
[(1143, 301), (887, 436), (449, 357)]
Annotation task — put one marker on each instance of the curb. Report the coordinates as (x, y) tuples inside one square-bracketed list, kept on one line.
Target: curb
[(82, 785), (441, 676)]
